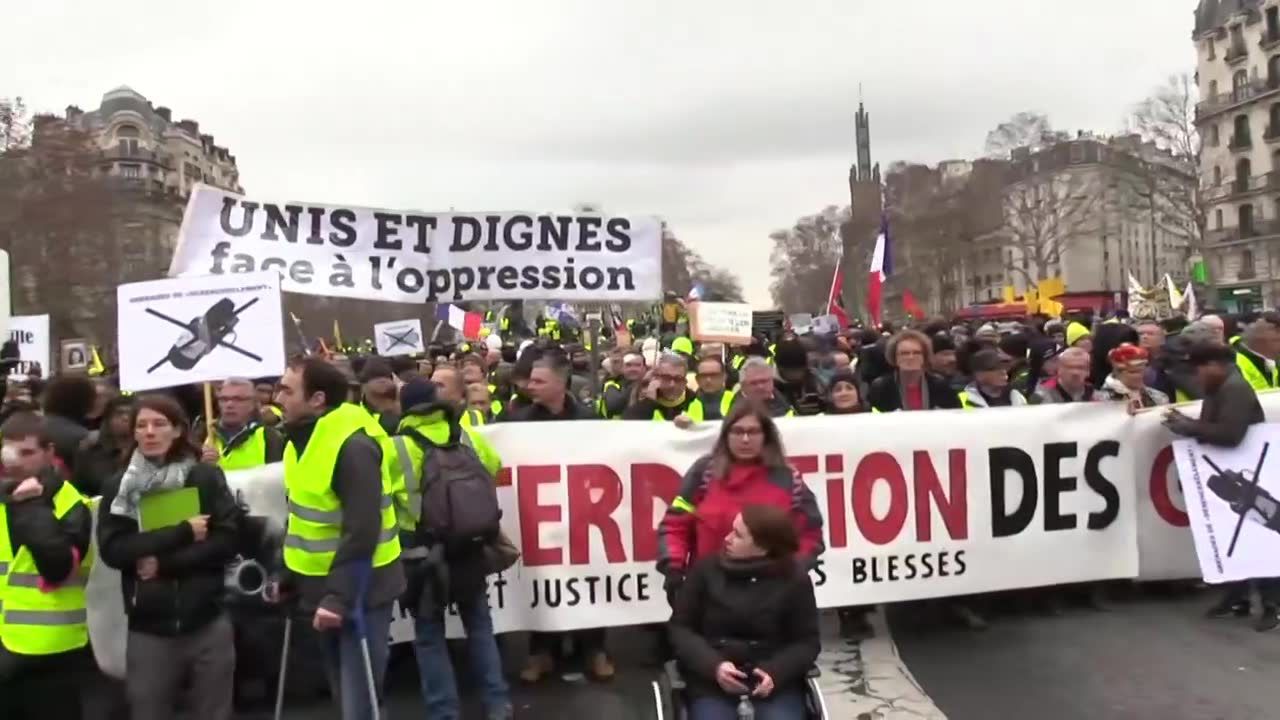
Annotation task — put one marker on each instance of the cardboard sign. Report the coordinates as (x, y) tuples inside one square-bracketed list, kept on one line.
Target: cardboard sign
[(31, 332), (75, 355), (721, 322), (399, 337), (200, 329)]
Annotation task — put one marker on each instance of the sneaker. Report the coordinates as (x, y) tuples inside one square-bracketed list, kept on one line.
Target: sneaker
[(536, 666), (1269, 621), (601, 667), (1239, 608)]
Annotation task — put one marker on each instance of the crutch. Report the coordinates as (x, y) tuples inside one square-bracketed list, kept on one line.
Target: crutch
[(362, 585), (284, 664)]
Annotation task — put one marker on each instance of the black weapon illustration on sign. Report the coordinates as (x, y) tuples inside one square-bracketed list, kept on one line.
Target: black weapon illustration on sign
[(1245, 496), (407, 337), (204, 333)]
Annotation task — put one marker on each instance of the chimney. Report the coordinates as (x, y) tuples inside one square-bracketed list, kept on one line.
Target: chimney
[(165, 113), (73, 112), (191, 126)]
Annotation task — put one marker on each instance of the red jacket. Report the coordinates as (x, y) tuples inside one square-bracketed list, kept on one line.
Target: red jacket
[(702, 514)]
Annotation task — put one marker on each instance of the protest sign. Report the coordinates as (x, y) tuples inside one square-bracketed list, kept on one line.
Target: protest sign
[(410, 256), (4, 292), (399, 337), (174, 332), (721, 322), (1234, 506), (825, 325), (74, 355), (31, 333), (800, 322)]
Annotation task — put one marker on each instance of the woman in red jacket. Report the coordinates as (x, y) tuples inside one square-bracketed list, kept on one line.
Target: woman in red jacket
[(747, 466)]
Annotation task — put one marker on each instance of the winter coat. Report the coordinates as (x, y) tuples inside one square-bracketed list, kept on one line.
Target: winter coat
[(96, 463), (1113, 390), (973, 397), (533, 412), (757, 612), (805, 396), (187, 592), (885, 394), (1226, 414), (702, 514), (1049, 393), (67, 436), (50, 539)]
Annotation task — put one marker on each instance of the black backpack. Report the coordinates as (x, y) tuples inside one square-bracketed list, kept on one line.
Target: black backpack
[(459, 496)]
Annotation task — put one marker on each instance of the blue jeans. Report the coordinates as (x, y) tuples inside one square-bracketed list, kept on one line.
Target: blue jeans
[(439, 689), (779, 706), (344, 662)]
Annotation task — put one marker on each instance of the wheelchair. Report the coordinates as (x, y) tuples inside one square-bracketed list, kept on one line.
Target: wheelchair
[(670, 704)]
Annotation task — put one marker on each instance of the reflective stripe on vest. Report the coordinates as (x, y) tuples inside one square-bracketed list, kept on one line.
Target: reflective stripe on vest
[(413, 481), (965, 402), (1253, 376), (1180, 396), (250, 453), (472, 418), (36, 620), (314, 529), (697, 411)]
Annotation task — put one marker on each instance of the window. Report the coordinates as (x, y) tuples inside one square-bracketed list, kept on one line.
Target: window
[(1246, 264), (1213, 50), (1243, 171), (1241, 137), (1213, 89), (133, 172), (1217, 219), (1239, 86), (1214, 140), (1273, 71), (1076, 153), (1217, 175), (1244, 220)]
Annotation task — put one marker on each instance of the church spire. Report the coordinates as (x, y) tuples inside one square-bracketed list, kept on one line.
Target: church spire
[(862, 126)]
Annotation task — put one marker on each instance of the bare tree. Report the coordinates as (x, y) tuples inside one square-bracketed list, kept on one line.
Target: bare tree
[(804, 259), (1167, 118), (15, 125), (1044, 215), (1025, 130)]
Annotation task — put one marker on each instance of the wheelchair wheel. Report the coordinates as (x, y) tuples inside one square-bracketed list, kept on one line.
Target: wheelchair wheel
[(813, 700)]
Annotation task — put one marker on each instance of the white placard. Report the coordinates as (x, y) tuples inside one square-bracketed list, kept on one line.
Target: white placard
[(199, 329), (411, 256), (1234, 504), (399, 337), (721, 322), (31, 332), (800, 323)]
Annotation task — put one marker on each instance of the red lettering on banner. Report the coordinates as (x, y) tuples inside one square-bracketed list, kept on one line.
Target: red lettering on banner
[(586, 512), (876, 467), (953, 505), (1159, 485), (649, 481), (528, 479), (836, 524), (804, 464), (504, 477)]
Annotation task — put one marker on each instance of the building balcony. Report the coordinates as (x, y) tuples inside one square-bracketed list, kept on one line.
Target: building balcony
[(151, 157), (1223, 102), (1240, 142), (1260, 229), (1236, 53)]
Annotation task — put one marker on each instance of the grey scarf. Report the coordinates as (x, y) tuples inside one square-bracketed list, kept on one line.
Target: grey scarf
[(924, 392), (144, 477)]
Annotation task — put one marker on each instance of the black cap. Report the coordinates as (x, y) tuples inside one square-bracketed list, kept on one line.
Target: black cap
[(942, 342), (418, 391), (1206, 353)]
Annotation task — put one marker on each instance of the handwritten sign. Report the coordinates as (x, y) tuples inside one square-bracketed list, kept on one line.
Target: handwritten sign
[(722, 322)]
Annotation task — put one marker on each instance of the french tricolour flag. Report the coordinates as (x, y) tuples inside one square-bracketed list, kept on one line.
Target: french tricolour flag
[(467, 323), (881, 267)]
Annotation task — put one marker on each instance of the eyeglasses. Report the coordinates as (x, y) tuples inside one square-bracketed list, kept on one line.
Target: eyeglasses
[(746, 433), (670, 378)]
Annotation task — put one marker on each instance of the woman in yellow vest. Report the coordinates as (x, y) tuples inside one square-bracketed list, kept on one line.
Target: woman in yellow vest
[(168, 523), (45, 531), (342, 545)]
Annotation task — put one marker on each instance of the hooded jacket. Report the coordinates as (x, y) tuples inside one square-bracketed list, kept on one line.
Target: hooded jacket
[(973, 397)]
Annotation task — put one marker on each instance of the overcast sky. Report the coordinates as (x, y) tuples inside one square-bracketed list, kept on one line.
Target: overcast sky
[(730, 118)]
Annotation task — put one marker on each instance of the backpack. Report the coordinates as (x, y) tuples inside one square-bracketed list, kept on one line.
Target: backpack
[(459, 496)]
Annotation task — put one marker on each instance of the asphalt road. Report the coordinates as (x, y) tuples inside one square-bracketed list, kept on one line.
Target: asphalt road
[(1151, 656)]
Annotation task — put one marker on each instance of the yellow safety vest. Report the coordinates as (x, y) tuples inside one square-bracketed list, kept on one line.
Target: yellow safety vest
[(315, 513), (471, 418), (697, 412), (250, 453), (36, 622), (965, 402), (1180, 397), (496, 405), (1254, 376)]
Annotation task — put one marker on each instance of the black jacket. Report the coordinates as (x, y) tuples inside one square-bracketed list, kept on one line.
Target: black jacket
[(806, 396), (644, 408), (757, 612), (357, 481), (573, 410), (67, 435), (187, 593), (32, 524), (97, 462), (1225, 415), (885, 396)]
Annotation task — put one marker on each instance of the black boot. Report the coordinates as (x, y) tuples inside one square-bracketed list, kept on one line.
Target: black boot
[(1228, 607), (1270, 619)]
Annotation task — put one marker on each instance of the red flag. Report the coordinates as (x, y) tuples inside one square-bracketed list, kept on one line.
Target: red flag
[(911, 306), (835, 299)]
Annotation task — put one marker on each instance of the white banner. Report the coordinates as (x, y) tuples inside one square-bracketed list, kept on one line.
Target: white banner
[(410, 256), (1235, 504), (199, 329), (721, 322), (399, 337), (31, 332)]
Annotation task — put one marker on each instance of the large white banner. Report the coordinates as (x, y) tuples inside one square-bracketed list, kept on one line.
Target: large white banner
[(411, 256), (174, 332), (1235, 504), (31, 332)]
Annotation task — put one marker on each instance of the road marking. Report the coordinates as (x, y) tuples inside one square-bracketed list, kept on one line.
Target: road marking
[(868, 680)]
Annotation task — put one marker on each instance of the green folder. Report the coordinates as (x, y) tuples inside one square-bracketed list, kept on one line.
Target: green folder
[(168, 508)]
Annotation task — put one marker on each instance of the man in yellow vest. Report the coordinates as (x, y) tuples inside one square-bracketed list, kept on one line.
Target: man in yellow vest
[(451, 390), (45, 529), (713, 400), (268, 412), (1257, 350), (379, 392), (240, 440), (342, 546), (666, 397)]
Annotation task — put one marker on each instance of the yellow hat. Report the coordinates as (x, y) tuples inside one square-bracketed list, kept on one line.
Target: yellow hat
[(1076, 332)]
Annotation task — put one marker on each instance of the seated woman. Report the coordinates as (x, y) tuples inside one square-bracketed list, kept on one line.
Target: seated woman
[(745, 624)]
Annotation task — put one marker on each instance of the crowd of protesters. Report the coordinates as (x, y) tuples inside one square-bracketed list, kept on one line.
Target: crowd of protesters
[(352, 547)]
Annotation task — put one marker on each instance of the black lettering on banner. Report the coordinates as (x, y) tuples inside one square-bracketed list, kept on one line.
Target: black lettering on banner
[(272, 263), (341, 274), (422, 225), (247, 211), (1001, 461), (388, 227), (960, 566), (910, 562), (376, 264), (463, 224), (569, 277), (508, 278), (619, 231), (518, 240), (277, 221), (819, 572), (1099, 483), (590, 590), (1055, 484), (317, 218), (410, 280), (491, 226), (344, 233), (553, 233), (910, 566), (588, 234)]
